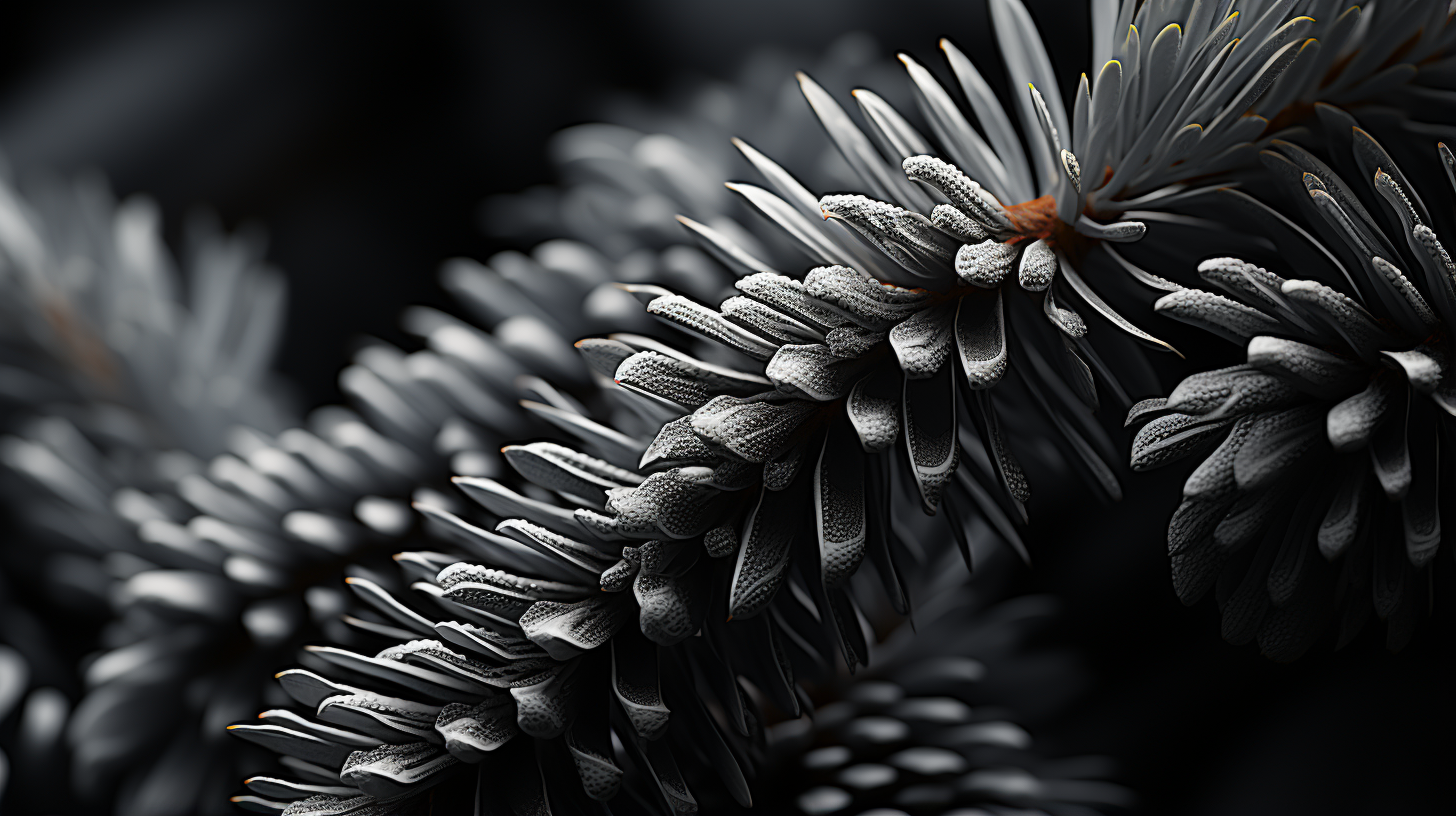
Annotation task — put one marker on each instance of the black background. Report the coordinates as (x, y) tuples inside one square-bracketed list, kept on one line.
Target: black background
[(364, 137)]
